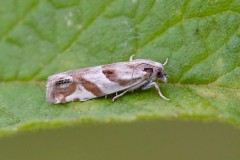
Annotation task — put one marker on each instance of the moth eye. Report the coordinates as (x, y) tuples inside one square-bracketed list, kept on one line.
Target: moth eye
[(160, 74)]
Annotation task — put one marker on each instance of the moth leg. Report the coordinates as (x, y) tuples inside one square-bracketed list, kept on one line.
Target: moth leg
[(154, 84), (131, 57), (130, 89), (117, 96)]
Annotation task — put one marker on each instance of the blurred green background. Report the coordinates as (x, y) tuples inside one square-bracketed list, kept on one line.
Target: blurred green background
[(139, 141)]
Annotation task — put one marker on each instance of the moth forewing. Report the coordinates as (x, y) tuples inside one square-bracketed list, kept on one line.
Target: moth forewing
[(93, 82)]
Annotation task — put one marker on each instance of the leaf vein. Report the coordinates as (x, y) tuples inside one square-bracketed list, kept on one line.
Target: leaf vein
[(20, 20), (205, 57), (165, 29), (74, 39), (225, 74)]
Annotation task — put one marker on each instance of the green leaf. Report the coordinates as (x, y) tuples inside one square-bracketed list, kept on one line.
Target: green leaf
[(38, 38)]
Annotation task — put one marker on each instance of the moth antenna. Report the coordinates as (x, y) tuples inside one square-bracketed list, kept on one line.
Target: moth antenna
[(131, 57), (165, 62)]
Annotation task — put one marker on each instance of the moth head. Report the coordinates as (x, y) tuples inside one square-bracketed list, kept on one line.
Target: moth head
[(156, 70), (160, 72), (161, 75)]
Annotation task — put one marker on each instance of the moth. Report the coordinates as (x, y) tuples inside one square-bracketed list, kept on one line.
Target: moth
[(88, 83)]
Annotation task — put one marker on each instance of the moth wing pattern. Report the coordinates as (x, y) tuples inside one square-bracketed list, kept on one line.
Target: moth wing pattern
[(116, 77), (93, 82)]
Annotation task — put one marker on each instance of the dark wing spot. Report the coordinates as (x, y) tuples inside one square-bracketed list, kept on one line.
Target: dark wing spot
[(108, 72), (112, 76), (148, 70), (62, 81)]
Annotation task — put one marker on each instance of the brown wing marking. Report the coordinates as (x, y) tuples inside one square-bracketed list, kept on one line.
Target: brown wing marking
[(112, 75), (91, 87), (64, 92)]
